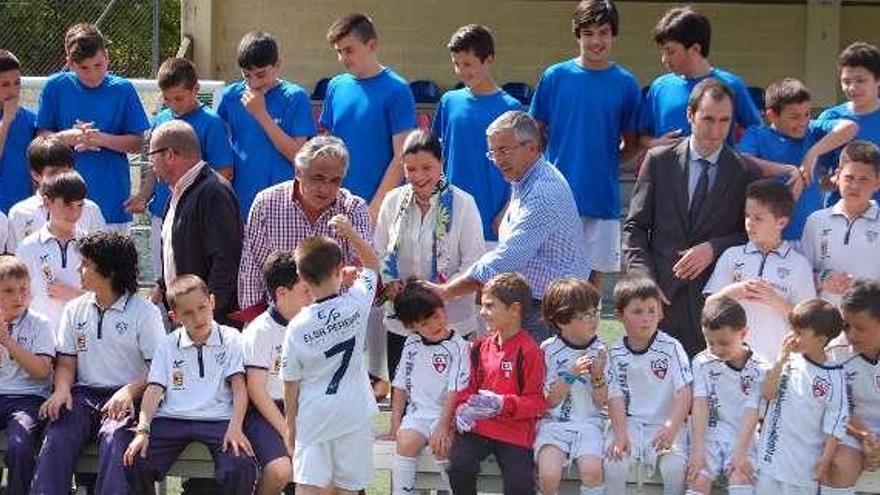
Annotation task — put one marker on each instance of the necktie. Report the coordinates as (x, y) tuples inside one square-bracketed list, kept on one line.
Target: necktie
[(701, 191)]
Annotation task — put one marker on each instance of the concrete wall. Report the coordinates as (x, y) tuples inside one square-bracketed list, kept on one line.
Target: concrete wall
[(760, 42)]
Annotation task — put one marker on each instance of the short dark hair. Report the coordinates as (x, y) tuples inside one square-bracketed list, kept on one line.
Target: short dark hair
[(68, 186), (416, 302), (422, 140), (862, 152), (594, 13), (861, 54), (279, 270), (709, 86), (474, 38), (49, 151), (13, 268), (822, 317), (182, 286), (863, 296), (722, 312), (686, 26), (257, 49), (360, 25), (773, 194), (115, 257), (783, 92), (632, 287), (316, 259), (510, 288), (177, 71), (567, 298), (8, 61), (83, 41)]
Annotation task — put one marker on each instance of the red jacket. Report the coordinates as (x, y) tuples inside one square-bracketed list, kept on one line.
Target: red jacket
[(514, 370)]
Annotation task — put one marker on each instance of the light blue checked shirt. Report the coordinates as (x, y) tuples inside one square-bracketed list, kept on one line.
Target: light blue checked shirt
[(541, 235)]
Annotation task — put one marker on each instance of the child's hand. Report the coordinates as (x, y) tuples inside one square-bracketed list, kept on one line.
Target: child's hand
[(836, 282), (139, 446), (795, 181), (696, 465), (10, 109), (597, 367), (664, 438), (788, 343), (441, 441), (619, 448), (821, 469), (57, 290), (254, 102), (486, 403), (235, 439), (349, 275), (135, 204), (51, 409), (739, 463), (343, 226)]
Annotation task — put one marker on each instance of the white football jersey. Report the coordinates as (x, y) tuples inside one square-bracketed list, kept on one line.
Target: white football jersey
[(429, 371), (810, 404), (559, 357), (323, 351), (648, 379), (261, 343), (728, 390), (862, 378)]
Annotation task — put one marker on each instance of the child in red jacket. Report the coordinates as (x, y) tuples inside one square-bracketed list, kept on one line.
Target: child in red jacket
[(498, 411)]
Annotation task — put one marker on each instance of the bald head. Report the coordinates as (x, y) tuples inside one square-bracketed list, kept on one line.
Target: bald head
[(178, 136)]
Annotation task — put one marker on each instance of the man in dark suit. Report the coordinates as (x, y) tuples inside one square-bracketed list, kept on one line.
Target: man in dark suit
[(687, 208)]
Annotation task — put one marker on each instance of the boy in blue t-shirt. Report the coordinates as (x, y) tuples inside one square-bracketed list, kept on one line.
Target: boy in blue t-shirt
[(789, 147), (370, 107), (268, 118), (859, 65), (589, 104), (100, 115), (462, 117), (16, 131), (683, 36), (179, 84)]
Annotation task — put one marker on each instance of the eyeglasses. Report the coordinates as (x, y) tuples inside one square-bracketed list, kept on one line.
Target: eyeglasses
[(160, 150), (503, 152)]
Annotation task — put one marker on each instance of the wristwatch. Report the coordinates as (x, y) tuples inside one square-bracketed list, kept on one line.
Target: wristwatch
[(142, 429)]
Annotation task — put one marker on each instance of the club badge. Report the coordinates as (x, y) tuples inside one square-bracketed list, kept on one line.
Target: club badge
[(177, 380), (659, 367), (440, 362), (821, 387)]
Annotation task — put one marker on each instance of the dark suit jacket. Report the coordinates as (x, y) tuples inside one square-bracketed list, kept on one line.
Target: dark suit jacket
[(658, 225)]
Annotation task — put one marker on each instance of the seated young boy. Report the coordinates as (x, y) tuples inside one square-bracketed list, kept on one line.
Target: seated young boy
[(106, 340), (727, 383), (17, 128), (574, 385), (766, 275), (498, 411), (435, 366), (27, 348), (328, 401), (860, 359), (791, 145), (841, 242), (649, 393), (52, 253), (47, 157), (807, 412), (261, 344), (195, 393)]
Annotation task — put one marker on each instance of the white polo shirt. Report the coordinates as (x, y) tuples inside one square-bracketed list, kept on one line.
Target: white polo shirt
[(261, 343), (810, 404), (785, 269), (648, 379), (29, 215), (429, 371), (862, 378), (323, 351), (34, 334), (729, 391), (4, 234), (112, 346), (196, 377), (49, 259), (559, 358), (834, 243)]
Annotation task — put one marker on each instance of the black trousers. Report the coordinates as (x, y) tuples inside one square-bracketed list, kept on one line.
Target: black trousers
[(681, 318), (517, 465)]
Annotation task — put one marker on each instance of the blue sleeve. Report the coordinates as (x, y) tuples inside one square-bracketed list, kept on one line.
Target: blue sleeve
[(822, 127), (216, 150), (221, 107), (438, 125), (326, 118), (539, 108), (47, 113), (646, 114), (136, 120), (630, 115), (747, 114), (402, 110), (298, 120), (749, 143)]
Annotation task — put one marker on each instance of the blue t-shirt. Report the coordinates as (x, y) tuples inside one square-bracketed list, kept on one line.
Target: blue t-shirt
[(213, 141), (586, 112), (366, 114), (869, 130), (15, 177), (768, 144), (115, 108), (460, 121), (665, 106), (256, 163)]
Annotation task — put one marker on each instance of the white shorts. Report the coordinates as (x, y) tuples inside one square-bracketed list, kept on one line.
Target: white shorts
[(718, 456), (424, 426), (603, 244), (574, 440), (640, 437), (769, 486), (345, 462)]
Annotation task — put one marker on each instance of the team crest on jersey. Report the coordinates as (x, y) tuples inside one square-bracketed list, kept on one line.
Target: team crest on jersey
[(220, 358), (121, 328), (871, 236), (80, 336), (507, 368), (821, 387), (746, 383), (659, 367), (783, 272), (440, 362), (177, 380), (28, 227), (276, 366), (738, 272)]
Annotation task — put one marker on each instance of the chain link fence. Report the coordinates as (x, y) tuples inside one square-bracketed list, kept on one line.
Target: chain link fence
[(141, 33)]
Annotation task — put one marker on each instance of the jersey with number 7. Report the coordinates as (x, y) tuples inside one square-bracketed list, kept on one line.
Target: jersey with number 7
[(323, 351)]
